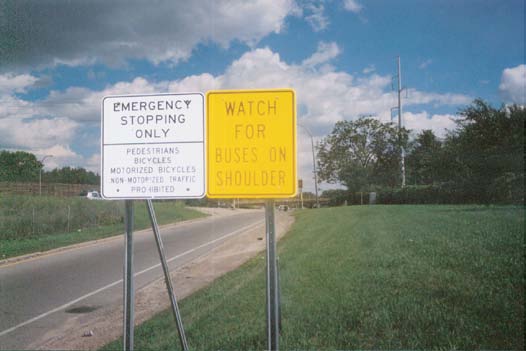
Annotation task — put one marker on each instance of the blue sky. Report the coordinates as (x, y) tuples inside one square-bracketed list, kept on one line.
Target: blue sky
[(58, 59)]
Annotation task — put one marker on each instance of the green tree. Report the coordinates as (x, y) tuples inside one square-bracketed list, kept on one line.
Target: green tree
[(18, 166), (424, 160), (362, 154), (71, 175), (486, 152)]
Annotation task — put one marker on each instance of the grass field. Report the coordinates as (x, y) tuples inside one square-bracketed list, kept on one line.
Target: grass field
[(370, 277), (89, 220)]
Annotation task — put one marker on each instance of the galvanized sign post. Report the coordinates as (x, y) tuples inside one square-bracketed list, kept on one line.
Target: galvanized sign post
[(251, 143), (167, 277), (152, 147), (129, 294), (129, 297), (273, 305)]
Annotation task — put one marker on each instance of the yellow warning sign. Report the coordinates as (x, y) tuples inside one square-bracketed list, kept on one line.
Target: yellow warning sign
[(251, 137)]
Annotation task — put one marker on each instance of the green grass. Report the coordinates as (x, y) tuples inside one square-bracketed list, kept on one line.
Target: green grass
[(371, 277), (25, 216), (93, 220)]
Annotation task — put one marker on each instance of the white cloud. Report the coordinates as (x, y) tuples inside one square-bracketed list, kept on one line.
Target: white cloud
[(419, 97), (22, 124), (25, 124), (325, 52), (62, 156), (112, 32), (11, 107), (314, 12), (36, 133), (513, 85), (424, 64), (439, 124), (82, 104), (352, 5), (11, 83), (316, 17), (369, 69), (93, 163), (199, 83)]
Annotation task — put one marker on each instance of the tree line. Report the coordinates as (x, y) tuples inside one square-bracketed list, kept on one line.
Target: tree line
[(21, 166), (480, 161)]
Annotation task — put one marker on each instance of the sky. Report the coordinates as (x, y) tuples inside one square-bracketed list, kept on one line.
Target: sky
[(58, 59)]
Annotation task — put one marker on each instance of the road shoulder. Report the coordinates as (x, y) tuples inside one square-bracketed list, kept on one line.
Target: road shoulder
[(106, 325)]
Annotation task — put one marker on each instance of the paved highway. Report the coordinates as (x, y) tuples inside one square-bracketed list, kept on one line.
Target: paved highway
[(36, 295)]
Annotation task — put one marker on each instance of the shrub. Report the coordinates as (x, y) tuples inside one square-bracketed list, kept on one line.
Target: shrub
[(509, 190)]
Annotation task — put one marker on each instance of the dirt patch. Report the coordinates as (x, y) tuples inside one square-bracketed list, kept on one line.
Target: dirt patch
[(103, 326)]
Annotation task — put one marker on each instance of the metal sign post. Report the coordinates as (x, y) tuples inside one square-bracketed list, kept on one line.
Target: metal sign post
[(272, 279), (167, 277), (129, 297)]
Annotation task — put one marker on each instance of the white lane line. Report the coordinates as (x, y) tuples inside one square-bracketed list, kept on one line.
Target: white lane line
[(66, 305)]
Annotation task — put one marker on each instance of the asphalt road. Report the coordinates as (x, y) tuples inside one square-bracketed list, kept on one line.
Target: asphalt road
[(37, 295)]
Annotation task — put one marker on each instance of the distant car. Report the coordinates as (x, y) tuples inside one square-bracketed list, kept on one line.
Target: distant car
[(283, 208), (93, 195)]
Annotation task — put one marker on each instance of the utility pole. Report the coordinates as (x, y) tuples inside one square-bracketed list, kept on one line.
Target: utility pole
[(314, 171), (40, 174), (400, 122), (313, 164)]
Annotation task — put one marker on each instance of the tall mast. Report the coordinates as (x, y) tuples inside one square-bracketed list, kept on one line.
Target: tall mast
[(400, 123)]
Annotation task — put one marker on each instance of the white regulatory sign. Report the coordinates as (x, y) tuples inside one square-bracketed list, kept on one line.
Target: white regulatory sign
[(152, 146)]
